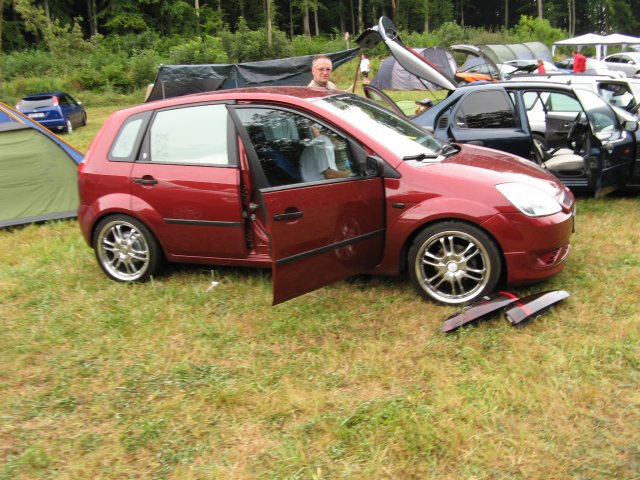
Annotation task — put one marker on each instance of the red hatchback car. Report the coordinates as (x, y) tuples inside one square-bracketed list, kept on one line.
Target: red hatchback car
[(319, 186)]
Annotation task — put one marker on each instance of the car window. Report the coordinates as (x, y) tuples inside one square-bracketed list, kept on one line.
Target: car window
[(127, 140), (190, 135), (601, 116), (488, 109), (36, 102), (293, 148), (561, 102), (617, 94)]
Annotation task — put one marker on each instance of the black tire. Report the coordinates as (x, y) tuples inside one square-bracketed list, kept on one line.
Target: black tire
[(84, 120), (126, 250), (454, 262), (69, 127)]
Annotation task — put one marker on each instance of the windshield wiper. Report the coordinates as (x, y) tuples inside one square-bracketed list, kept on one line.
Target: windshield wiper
[(422, 156)]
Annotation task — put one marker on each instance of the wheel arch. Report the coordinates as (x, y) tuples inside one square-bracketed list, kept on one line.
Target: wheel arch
[(403, 258)]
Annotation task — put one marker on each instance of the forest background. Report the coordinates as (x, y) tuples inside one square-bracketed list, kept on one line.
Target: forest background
[(107, 48)]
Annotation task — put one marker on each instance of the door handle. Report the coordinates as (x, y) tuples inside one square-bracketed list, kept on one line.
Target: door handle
[(145, 181), (280, 217)]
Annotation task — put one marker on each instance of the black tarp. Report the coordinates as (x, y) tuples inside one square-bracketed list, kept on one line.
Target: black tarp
[(177, 80)]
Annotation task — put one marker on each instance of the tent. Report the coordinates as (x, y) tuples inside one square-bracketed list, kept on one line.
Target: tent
[(501, 53), (177, 80), (601, 42), (391, 75), (38, 172)]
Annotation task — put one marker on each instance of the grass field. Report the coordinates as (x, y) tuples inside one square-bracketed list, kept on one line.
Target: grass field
[(175, 379)]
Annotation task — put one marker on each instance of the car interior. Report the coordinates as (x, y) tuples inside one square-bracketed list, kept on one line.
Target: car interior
[(280, 138)]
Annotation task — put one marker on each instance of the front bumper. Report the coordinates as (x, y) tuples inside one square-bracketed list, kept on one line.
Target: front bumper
[(534, 249)]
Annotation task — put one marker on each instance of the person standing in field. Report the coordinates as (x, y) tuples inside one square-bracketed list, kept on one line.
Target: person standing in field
[(321, 67), (541, 68), (364, 67)]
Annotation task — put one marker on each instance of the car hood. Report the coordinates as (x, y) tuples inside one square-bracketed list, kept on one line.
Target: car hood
[(481, 165), (411, 61)]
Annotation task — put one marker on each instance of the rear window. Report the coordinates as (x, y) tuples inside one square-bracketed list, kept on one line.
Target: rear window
[(36, 102)]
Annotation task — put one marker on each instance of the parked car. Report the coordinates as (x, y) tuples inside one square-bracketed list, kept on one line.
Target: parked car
[(619, 92), (594, 67), (627, 62), (54, 110), (218, 178), (570, 131)]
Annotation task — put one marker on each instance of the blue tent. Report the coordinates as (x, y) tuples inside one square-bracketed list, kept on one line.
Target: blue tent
[(38, 172)]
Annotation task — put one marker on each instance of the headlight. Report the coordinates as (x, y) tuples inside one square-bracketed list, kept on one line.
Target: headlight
[(531, 201)]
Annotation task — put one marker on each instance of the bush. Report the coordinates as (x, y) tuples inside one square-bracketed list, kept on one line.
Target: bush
[(252, 45), (29, 63), (198, 51)]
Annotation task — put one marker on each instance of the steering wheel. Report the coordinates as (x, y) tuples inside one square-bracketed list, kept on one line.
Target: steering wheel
[(576, 134)]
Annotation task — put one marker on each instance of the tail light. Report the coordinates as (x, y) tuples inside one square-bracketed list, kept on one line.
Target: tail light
[(55, 101)]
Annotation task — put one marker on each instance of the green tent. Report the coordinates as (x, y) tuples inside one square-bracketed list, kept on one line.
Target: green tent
[(38, 176)]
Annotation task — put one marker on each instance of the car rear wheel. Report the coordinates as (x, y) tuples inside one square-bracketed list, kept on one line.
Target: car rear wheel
[(126, 250), (69, 128), (454, 262)]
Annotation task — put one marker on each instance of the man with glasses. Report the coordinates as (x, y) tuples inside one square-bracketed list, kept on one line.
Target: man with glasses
[(321, 71)]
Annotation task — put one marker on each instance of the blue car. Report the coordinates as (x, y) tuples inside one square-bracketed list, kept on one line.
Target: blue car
[(57, 111)]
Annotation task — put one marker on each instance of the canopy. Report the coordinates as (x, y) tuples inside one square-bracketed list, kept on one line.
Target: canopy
[(502, 53), (176, 80), (599, 41)]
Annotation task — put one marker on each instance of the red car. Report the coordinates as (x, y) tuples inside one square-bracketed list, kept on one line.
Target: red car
[(319, 186)]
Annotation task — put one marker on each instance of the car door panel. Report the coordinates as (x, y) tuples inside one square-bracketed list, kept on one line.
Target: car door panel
[(187, 183), (489, 118), (323, 233)]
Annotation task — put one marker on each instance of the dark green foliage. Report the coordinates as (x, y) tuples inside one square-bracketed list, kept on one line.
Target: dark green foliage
[(199, 50), (251, 45)]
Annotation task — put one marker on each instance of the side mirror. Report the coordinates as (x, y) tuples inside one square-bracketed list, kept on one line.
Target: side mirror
[(373, 167), (630, 125)]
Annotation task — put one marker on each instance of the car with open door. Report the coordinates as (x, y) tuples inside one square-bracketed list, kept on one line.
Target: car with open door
[(318, 186), (572, 132)]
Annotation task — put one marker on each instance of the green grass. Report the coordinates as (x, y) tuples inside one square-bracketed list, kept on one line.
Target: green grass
[(173, 379)]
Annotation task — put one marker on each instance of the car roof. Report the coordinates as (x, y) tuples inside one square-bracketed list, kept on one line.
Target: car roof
[(291, 94), (513, 84), (629, 54), (44, 94)]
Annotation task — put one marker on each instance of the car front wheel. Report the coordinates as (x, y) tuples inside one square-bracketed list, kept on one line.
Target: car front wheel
[(454, 262), (126, 250)]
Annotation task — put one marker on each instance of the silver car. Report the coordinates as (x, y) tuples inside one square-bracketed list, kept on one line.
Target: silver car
[(627, 62)]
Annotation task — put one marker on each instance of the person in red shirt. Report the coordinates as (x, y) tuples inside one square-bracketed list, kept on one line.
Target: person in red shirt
[(579, 62), (541, 68)]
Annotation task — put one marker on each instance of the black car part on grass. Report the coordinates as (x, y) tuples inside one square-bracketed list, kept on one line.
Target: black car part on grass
[(517, 310)]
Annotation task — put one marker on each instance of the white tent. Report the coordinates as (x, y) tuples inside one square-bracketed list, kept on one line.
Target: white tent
[(599, 41), (619, 39), (581, 41)]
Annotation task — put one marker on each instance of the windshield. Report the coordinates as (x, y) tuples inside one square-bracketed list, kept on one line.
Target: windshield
[(386, 127), (601, 116)]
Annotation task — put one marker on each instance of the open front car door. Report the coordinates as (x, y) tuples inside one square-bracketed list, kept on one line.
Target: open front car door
[(324, 224)]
